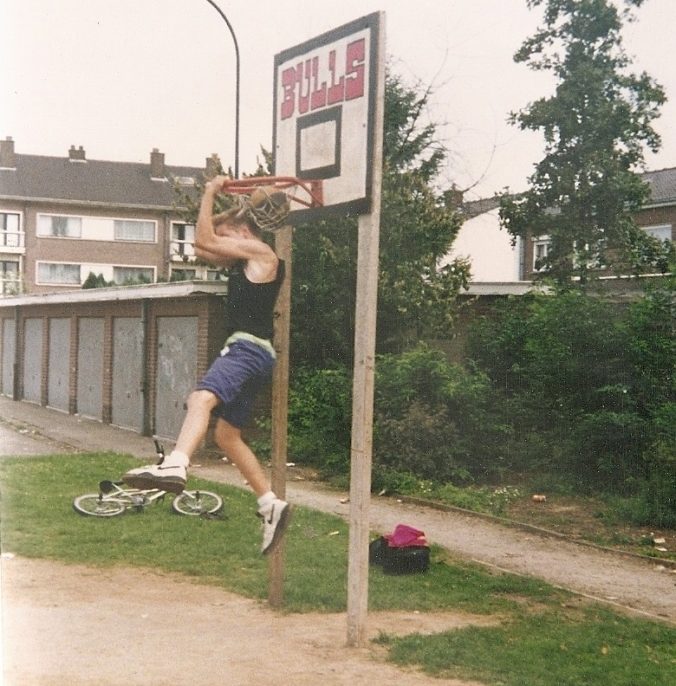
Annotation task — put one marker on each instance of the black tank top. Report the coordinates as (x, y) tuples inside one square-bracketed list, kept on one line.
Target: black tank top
[(251, 305)]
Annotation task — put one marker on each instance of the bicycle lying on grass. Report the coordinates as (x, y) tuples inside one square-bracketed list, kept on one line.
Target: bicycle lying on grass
[(114, 498)]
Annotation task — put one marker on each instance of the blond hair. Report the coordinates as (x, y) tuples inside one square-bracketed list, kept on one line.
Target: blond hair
[(266, 209)]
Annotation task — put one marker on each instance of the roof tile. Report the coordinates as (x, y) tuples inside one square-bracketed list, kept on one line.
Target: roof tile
[(91, 181)]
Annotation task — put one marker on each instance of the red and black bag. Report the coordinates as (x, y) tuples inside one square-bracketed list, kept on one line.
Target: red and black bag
[(404, 551)]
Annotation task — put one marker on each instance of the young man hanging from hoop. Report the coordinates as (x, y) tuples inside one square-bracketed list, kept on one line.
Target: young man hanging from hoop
[(233, 239)]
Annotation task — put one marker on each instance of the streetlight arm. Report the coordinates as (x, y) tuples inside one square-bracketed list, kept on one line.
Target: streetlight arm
[(234, 40)]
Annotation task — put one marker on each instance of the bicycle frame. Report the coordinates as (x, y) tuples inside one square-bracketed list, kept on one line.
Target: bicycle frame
[(136, 498)]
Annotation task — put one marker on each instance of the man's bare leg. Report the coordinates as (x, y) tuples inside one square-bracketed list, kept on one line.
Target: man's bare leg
[(172, 474), (196, 422), (274, 512), (229, 440)]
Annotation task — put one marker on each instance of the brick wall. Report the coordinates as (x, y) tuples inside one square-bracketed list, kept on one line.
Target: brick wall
[(123, 253), (648, 217)]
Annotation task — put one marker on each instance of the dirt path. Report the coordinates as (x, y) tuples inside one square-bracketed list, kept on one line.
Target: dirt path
[(69, 625)]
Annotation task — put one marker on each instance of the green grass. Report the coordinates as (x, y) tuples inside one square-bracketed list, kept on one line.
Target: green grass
[(540, 639), (38, 521), (593, 646)]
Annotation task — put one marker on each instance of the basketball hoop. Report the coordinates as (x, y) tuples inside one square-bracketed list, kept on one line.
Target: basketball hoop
[(310, 190)]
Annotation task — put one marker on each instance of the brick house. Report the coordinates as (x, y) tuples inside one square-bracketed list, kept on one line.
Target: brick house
[(62, 218), (657, 217), (482, 239)]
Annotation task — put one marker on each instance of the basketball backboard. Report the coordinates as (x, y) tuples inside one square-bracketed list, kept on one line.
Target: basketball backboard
[(324, 115)]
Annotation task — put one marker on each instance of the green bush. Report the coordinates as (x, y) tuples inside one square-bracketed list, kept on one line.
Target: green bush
[(432, 419), (588, 386), (568, 389), (96, 281), (436, 419), (320, 411), (424, 441), (657, 498), (605, 448), (651, 347)]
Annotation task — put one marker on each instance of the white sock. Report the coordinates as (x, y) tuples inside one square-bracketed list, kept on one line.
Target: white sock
[(177, 458), (266, 499)]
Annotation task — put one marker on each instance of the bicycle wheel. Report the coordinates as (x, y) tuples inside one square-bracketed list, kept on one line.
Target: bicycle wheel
[(93, 505), (197, 503)]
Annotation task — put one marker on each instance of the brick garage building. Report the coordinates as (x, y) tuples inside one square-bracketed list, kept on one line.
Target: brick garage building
[(127, 356)]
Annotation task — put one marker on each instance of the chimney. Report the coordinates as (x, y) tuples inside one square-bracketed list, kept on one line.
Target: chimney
[(7, 157), (213, 166), (157, 164), (76, 155)]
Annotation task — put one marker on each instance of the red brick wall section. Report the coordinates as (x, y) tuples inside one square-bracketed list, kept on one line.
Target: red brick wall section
[(94, 251), (151, 367), (107, 386), (72, 367), (657, 216), (44, 389)]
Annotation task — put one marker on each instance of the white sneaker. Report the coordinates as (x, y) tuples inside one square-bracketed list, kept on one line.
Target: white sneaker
[(162, 476), (275, 518)]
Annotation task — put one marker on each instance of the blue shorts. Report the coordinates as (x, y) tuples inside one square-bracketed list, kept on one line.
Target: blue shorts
[(235, 378)]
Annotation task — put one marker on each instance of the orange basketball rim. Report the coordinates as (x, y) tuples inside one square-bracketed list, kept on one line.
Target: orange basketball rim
[(305, 192)]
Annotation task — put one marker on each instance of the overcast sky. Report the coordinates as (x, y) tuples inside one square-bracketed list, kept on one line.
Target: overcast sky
[(121, 77)]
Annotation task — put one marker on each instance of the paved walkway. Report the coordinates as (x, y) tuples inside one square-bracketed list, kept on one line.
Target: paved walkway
[(643, 586)]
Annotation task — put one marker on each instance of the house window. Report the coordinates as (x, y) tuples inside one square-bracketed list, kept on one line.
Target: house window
[(183, 274), (540, 252), (59, 274), (662, 231), (182, 241), (129, 275), (215, 275), (59, 226), (134, 230), (11, 235), (590, 257), (9, 277)]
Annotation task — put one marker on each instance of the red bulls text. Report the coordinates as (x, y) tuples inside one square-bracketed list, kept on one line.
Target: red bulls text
[(323, 80)]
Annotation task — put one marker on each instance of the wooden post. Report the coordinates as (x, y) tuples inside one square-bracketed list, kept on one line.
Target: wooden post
[(363, 380), (362, 430), (280, 413)]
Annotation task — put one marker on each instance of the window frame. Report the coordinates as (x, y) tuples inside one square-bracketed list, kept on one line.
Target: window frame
[(53, 215), (151, 222), (652, 229), (40, 263), (5, 232), (10, 285), (544, 241), (186, 251), (137, 267)]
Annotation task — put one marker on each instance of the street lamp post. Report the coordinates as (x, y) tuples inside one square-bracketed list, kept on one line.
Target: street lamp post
[(234, 40)]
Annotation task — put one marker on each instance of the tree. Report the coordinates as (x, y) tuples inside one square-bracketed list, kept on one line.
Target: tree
[(96, 281), (596, 127), (418, 226)]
